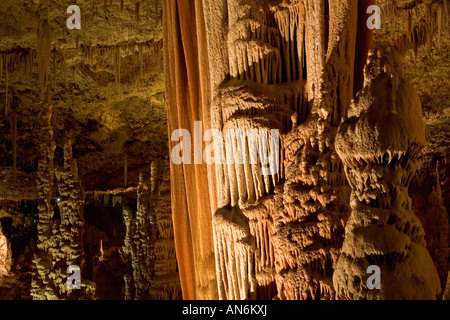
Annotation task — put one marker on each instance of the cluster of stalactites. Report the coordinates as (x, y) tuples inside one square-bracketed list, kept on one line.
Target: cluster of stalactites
[(265, 44), (269, 49), (234, 252), (425, 21), (113, 56)]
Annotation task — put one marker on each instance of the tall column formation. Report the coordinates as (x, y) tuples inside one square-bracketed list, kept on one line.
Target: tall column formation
[(192, 191), (60, 239), (379, 144), (265, 57), (139, 244), (309, 211), (45, 180), (70, 249)]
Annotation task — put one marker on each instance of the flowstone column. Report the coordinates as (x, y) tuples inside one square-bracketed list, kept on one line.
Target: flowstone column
[(379, 144), (60, 239)]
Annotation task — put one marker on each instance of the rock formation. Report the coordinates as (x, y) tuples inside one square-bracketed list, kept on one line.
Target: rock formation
[(272, 72), (149, 247), (379, 144), (306, 166), (60, 238)]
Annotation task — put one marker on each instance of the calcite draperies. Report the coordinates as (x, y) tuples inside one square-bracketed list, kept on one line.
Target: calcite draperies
[(193, 197), (261, 64)]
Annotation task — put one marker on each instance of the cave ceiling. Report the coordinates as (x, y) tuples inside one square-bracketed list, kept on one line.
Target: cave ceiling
[(106, 82)]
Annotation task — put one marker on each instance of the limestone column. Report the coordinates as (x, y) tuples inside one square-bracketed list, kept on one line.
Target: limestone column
[(379, 143)]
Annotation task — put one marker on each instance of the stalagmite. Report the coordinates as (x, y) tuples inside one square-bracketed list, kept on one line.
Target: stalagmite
[(166, 284), (271, 61), (148, 245), (14, 144), (379, 144), (436, 224), (447, 288)]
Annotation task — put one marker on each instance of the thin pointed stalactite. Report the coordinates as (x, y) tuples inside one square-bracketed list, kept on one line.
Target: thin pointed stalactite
[(13, 123)]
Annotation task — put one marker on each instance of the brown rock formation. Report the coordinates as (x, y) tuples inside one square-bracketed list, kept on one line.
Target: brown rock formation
[(149, 248), (60, 239), (271, 60), (88, 116), (379, 144), (5, 255)]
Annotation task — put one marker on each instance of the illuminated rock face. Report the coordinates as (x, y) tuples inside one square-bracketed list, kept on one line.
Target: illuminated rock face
[(5, 255), (60, 239), (263, 65), (379, 144), (283, 71)]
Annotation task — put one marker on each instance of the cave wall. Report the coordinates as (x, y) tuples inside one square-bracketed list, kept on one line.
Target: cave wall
[(90, 113), (295, 66)]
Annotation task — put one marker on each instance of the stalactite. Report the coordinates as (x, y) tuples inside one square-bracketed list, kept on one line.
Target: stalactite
[(408, 26), (102, 254), (440, 23), (43, 53), (13, 124), (141, 59), (125, 172), (137, 8), (7, 85)]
